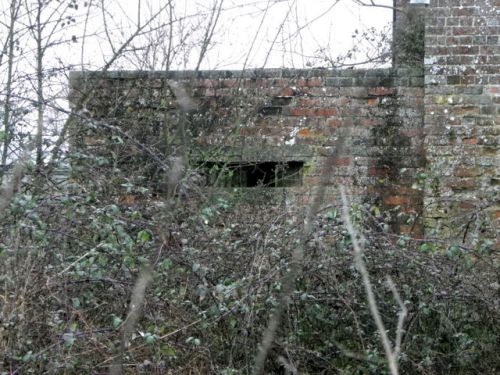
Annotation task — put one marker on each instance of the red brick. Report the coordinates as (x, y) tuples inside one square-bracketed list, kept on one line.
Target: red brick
[(269, 131), (207, 83), (230, 83), (462, 184), (312, 181), (288, 91), (378, 171), (415, 132), (280, 83), (334, 123), (300, 112), (369, 122), (467, 172), (341, 162), (463, 11), (127, 200), (470, 141), (309, 102), (310, 82), (397, 200), (247, 131), (494, 90), (305, 133), (468, 205), (326, 112)]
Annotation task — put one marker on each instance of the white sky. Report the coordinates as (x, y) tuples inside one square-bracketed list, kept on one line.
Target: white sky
[(249, 33), (293, 31)]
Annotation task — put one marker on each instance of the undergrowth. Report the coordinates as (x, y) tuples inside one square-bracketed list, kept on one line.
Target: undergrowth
[(70, 256)]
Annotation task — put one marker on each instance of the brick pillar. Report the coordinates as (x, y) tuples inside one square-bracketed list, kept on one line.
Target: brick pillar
[(462, 135)]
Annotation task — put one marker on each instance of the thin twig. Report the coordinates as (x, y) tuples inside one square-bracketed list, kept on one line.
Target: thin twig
[(90, 252), (372, 303), (136, 302), (403, 312)]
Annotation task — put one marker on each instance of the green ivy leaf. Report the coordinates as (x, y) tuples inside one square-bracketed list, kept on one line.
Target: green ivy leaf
[(332, 214), (116, 322), (150, 339), (193, 341), (76, 302), (69, 338), (28, 357), (167, 264), (168, 350), (144, 236), (232, 321), (425, 248)]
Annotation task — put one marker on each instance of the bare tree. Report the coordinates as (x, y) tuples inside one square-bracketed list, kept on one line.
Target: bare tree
[(8, 50), (45, 19)]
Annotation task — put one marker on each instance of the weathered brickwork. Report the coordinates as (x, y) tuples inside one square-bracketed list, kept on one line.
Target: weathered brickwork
[(462, 95), (422, 139), (274, 115)]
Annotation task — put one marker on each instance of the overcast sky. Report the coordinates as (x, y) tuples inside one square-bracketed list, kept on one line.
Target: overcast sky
[(291, 33), (249, 33)]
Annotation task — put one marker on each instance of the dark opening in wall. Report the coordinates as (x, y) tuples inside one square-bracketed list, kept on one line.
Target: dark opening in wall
[(252, 174)]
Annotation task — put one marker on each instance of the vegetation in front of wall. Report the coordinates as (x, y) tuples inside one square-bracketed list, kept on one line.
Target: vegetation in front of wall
[(408, 38), (70, 258), (132, 265), (476, 227)]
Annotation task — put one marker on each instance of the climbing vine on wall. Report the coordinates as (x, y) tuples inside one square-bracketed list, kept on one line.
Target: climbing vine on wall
[(409, 36)]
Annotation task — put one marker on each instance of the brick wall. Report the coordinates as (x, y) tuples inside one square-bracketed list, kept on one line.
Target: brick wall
[(433, 152), (273, 115), (462, 94)]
